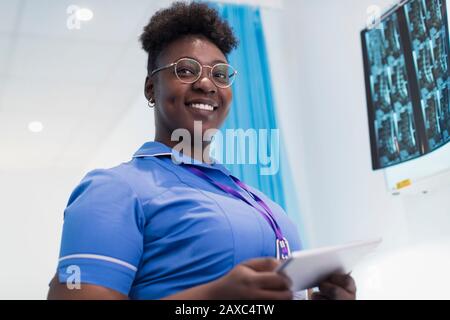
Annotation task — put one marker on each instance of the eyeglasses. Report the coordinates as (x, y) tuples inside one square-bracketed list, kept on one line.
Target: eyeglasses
[(189, 70)]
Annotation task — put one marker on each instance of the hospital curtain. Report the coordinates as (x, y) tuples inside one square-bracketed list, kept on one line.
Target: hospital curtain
[(253, 105)]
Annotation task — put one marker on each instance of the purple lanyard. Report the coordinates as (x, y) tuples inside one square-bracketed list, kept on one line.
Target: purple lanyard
[(282, 245)]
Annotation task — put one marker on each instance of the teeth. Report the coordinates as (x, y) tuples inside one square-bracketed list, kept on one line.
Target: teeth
[(202, 106)]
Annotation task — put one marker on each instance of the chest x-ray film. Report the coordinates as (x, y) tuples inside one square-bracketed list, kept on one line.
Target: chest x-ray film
[(407, 81)]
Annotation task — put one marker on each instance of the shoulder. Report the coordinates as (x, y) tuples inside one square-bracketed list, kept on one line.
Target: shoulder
[(103, 190), (101, 181), (139, 180)]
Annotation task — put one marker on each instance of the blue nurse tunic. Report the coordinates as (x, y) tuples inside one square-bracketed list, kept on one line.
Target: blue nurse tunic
[(150, 228)]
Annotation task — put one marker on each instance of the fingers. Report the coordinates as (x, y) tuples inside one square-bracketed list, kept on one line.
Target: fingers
[(267, 284), (262, 264), (337, 287), (334, 292), (318, 296), (344, 281), (271, 281), (274, 295)]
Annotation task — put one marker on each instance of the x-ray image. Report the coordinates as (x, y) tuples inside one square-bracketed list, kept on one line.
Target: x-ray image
[(444, 112), (406, 134), (396, 133), (387, 139), (430, 53), (432, 123), (406, 59)]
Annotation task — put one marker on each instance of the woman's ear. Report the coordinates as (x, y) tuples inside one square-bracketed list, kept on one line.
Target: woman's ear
[(149, 88)]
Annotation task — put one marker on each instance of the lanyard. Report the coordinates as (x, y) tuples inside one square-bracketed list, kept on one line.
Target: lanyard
[(282, 245)]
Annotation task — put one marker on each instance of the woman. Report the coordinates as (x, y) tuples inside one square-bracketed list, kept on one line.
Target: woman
[(157, 228)]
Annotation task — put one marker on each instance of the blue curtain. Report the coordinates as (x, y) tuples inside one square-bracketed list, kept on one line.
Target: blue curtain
[(253, 105)]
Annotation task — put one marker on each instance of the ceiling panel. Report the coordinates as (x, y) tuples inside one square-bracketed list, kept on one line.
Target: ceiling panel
[(67, 140), (132, 69), (34, 96), (94, 126), (68, 61), (9, 10), (5, 52), (22, 148), (114, 21)]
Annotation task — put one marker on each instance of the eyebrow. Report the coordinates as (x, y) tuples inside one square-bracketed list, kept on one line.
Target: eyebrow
[(212, 62)]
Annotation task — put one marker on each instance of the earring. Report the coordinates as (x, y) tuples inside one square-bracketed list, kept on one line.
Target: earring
[(151, 103)]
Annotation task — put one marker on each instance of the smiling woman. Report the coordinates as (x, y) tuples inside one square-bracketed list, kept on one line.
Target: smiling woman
[(156, 228), (185, 87)]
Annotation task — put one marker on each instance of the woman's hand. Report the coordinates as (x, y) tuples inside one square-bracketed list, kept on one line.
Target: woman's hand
[(336, 287), (254, 279)]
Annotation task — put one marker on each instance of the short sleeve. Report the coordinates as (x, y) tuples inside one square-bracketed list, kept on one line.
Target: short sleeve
[(102, 235)]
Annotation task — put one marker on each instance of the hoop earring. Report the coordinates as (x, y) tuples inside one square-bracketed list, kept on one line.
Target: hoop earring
[(151, 103)]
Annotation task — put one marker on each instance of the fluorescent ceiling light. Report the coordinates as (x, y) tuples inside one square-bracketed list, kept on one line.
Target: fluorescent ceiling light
[(35, 126), (84, 14)]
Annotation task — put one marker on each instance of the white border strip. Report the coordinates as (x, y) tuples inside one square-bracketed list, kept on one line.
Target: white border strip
[(99, 257)]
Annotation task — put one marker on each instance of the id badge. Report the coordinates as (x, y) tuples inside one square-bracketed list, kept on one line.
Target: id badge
[(283, 250)]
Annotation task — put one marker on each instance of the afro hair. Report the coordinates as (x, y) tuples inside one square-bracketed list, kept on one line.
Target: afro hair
[(182, 19)]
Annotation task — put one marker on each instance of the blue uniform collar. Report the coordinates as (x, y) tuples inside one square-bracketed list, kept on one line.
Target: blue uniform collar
[(158, 149)]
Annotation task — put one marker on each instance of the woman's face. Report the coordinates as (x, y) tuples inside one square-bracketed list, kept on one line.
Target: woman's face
[(174, 98)]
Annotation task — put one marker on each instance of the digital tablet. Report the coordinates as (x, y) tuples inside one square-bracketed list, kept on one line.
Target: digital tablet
[(308, 268)]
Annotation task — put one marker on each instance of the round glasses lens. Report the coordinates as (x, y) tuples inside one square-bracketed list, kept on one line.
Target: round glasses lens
[(188, 70), (223, 74)]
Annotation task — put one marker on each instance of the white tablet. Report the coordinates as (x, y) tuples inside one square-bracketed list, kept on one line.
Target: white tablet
[(308, 268)]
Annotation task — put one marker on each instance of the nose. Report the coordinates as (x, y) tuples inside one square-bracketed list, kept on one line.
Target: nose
[(204, 83)]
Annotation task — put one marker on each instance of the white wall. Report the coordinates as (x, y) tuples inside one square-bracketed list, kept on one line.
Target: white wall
[(134, 129), (319, 82), (31, 217)]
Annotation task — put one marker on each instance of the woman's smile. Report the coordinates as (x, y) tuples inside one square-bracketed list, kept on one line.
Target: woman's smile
[(203, 107)]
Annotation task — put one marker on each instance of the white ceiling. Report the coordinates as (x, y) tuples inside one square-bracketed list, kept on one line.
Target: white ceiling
[(78, 83)]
